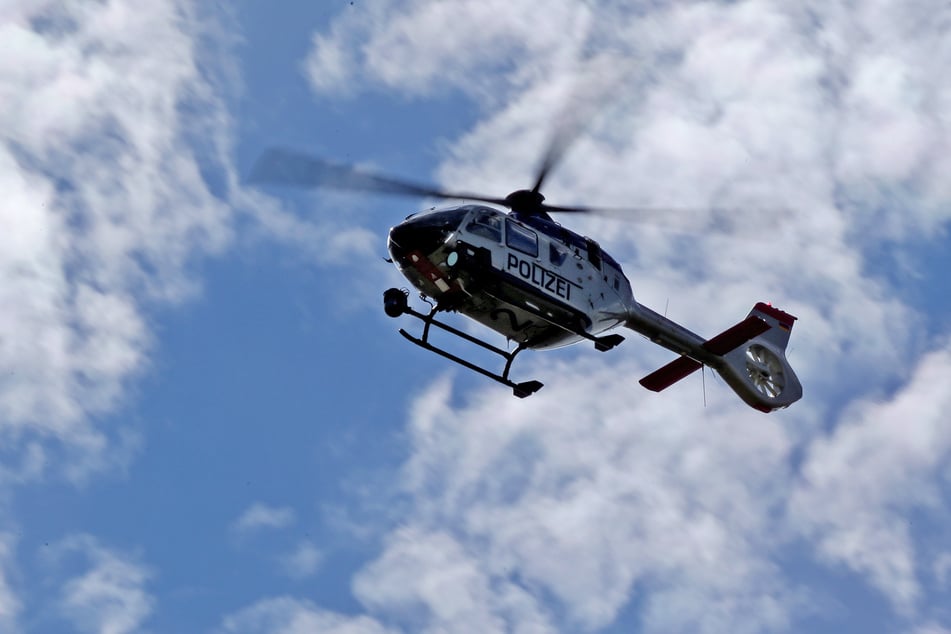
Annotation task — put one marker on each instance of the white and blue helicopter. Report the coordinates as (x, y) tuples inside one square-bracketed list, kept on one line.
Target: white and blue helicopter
[(540, 285)]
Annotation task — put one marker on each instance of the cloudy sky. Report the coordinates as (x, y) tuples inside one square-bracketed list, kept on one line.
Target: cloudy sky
[(207, 423)]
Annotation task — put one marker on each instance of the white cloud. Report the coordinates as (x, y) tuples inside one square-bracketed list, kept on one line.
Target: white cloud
[(687, 131), (303, 561), (285, 615), (260, 516), (116, 168), (106, 205), (593, 492), (942, 568), (333, 244), (931, 628), (590, 492), (587, 504), (592, 496), (883, 461), (433, 583), (10, 604), (109, 597), (426, 47)]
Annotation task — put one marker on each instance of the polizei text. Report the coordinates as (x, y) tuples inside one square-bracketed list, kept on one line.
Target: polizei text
[(540, 277)]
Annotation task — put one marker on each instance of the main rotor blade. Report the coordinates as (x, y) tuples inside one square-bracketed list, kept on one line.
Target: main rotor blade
[(591, 92), (617, 211), (279, 166), (555, 151), (679, 218)]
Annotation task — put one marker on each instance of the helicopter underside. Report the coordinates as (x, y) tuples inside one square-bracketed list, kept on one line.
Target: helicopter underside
[(459, 277), (498, 300)]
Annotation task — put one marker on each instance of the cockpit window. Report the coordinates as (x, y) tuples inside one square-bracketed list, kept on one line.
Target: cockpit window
[(518, 237), (449, 219), (486, 224)]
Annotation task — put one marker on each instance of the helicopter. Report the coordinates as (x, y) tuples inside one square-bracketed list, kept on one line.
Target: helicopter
[(506, 264)]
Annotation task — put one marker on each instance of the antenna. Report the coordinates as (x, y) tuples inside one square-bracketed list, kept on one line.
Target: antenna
[(703, 383)]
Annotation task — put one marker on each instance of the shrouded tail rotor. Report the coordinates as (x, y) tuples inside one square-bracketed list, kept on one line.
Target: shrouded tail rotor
[(765, 370), (750, 356), (758, 370)]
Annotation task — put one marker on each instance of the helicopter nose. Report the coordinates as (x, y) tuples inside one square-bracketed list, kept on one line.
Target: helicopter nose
[(409, 237)]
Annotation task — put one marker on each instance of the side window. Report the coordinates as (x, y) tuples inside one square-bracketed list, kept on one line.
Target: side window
[(522, 239), (486, 224), (594, 252)]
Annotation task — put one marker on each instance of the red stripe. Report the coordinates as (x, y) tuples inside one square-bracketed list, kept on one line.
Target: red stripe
[(426, 267), (669, 374), (736, 336), (784, 318)]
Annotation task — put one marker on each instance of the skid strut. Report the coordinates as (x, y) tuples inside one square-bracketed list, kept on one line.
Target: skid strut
[(396, 306)]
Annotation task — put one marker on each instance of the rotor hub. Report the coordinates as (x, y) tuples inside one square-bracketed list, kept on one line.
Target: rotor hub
[(525, 201)]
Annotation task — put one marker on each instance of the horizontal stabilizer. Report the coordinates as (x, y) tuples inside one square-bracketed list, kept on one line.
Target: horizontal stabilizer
[(684, 366), (750, 356), (735, 336), (664, 377)]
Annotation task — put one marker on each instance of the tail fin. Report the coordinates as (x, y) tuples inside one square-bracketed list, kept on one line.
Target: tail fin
[(750, 357)]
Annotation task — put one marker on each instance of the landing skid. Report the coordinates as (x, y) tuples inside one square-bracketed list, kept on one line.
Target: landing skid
[(395, 304)]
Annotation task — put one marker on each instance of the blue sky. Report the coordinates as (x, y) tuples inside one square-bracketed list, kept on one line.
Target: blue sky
[(207, 423)]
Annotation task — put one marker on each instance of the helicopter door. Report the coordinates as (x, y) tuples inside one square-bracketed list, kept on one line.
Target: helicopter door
[(486, 224), (594, 252)]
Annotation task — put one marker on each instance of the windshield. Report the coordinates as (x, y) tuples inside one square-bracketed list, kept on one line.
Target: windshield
[(449, 219)]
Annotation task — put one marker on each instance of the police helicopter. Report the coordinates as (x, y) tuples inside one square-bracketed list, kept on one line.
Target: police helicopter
[(539, 284)]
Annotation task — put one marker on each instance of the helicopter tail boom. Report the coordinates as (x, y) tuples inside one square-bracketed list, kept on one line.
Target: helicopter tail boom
[(684, 366), (750, 356)]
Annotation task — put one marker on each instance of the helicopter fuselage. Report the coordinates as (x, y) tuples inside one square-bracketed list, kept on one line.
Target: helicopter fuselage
[(540, 285), (527, 278)]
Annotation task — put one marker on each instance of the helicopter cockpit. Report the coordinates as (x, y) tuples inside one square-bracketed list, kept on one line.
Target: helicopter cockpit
[(486, 222), (425, 232), (531, 235)]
